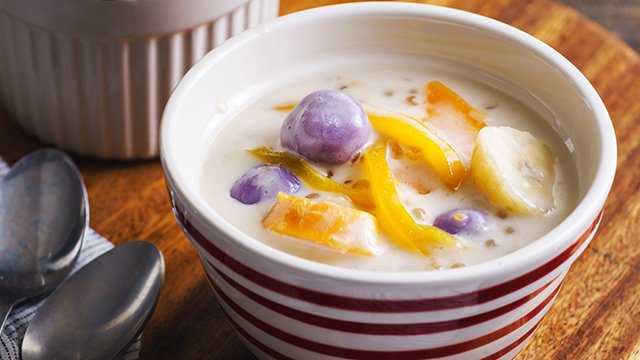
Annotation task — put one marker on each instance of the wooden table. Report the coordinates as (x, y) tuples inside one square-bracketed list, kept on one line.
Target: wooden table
[(597, 312)]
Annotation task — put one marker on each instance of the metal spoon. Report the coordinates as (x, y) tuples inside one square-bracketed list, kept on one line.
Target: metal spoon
[(100, 309), (43, 216)]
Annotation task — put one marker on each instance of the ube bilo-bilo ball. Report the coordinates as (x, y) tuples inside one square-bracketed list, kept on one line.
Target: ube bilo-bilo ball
[(264, 182), (462, 221), (327, 126)]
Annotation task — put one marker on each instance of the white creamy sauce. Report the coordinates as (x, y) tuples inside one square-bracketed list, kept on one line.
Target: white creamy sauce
[(392, 88)]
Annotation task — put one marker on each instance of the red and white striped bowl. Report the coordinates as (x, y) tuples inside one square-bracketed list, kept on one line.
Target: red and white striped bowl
[(286, 307)]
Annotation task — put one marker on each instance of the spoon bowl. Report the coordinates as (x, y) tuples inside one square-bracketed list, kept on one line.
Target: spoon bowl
[(43, 217), (100, 309)]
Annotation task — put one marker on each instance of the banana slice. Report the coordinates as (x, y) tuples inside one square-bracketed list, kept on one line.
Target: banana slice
[(514, 170)]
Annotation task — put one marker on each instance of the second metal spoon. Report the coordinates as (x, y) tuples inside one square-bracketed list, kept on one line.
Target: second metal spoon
[(100, 309)]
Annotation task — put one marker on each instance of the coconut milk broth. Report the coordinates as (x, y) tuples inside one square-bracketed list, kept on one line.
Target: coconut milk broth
[(399, 89)]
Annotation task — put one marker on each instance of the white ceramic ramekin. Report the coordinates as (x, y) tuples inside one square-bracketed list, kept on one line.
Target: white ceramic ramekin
[(285, 307), (92, 76)]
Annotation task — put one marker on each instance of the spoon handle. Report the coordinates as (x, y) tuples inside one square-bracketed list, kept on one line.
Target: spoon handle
[(5, 308)]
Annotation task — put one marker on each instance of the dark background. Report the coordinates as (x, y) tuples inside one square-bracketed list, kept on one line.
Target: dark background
[(619, 16)]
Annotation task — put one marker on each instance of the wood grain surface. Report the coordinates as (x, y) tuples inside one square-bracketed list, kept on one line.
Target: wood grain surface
[(597, 313)]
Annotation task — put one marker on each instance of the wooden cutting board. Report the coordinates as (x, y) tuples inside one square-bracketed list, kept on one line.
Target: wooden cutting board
[(597, 313)]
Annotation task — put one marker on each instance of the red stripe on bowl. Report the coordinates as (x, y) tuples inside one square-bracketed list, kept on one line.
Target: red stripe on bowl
[(382, 306), (264, 348), (278, 356), (513, 345), (351, 353), (373, 328)]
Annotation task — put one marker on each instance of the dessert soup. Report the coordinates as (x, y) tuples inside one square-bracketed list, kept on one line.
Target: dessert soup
[(499, 124)]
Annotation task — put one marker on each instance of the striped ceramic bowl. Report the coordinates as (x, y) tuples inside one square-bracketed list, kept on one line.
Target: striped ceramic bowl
[(92, 76), (285, 307)]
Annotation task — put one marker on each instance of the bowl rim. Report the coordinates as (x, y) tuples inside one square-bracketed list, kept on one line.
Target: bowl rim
[(515, 263)]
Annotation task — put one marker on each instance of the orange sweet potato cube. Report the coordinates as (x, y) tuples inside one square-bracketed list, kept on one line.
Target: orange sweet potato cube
[(341, 228)]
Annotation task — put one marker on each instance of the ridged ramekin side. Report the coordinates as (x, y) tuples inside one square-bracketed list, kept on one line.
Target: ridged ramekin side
[(103, 96)]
